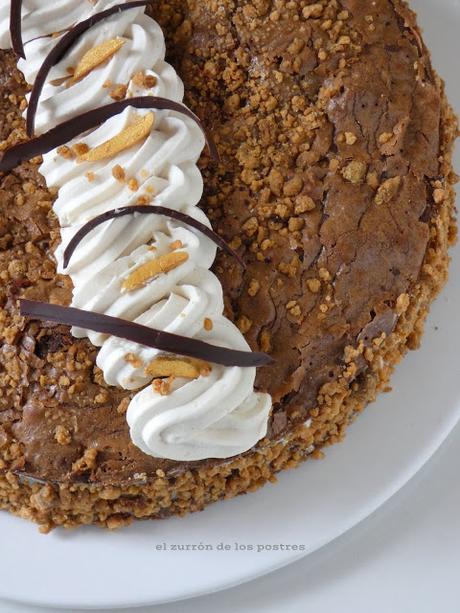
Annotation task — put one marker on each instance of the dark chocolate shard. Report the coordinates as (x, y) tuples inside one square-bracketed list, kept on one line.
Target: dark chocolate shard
[(146, 210), (16, 27), (62, 47), (70, 129), (142, 335)]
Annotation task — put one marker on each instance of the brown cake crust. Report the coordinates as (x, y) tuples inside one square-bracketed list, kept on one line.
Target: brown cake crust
[(335, 186)]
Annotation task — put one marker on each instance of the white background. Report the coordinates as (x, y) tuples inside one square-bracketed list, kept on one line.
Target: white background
[(404, 558)]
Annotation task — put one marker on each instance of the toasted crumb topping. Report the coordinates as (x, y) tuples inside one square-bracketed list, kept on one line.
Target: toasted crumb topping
[(355, 172), (133, 184), (86, 462), (176, 245), (119, 92), (314, 285), (118, 173), (65, 152), (387, 190), (62, 435), (134, 360), (163, 386), (80, 149)]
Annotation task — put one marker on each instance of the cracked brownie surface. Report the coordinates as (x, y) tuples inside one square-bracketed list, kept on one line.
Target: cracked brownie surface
[(334, 185)]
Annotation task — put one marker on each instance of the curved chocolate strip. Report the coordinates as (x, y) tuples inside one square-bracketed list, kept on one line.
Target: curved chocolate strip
[(57, 53), (16, 28), (146, 210), (142, 335), (68, 130)]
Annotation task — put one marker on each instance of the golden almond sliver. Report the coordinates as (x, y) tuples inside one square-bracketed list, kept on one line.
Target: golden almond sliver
[(153, 268), (96, 56), (188, 368), (129, 137)]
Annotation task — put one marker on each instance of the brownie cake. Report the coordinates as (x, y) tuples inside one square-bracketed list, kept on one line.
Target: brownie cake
[(333, 185)]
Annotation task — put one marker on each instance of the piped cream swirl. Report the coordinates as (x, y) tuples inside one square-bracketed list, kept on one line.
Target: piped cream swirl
[(217, 414)]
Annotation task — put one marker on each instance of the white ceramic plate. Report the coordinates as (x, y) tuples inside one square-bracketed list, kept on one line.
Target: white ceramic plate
[(308, 508)]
